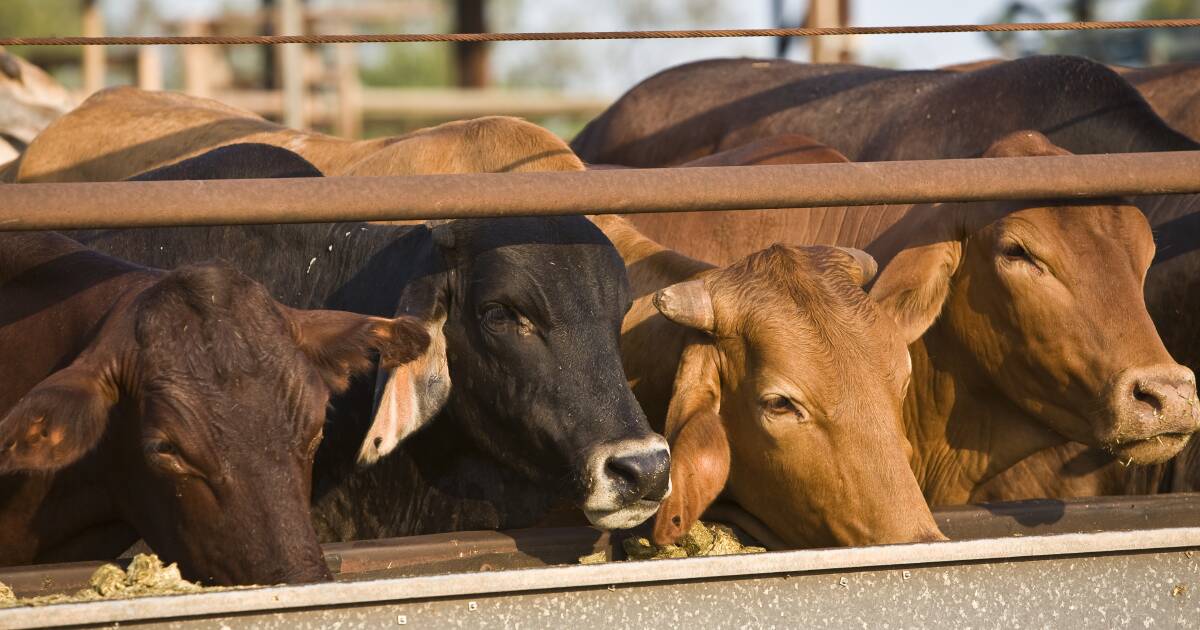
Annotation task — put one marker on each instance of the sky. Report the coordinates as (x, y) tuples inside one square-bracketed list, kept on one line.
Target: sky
[(609, 68)]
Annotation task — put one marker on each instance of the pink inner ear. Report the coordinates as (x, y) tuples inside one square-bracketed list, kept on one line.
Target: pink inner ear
[(395, 416)]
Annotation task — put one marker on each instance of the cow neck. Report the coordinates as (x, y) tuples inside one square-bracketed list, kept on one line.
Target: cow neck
[(963, 429), (434, 482), (650, 343)]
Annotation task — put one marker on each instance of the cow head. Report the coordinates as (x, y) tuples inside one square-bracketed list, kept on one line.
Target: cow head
[(525, 317), (208, 399), (1047, 300), (789, 397), (29, 100)]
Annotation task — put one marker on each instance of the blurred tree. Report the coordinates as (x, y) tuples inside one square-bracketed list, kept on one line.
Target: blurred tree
[(1167, 9), (1126, 47), (41, 18), (411, 65)]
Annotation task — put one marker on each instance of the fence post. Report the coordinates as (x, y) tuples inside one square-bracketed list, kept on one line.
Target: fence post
[(94, 57), (291, 22)]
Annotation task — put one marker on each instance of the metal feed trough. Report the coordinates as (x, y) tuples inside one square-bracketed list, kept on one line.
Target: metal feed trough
[(1128, 560), (1114, 561)]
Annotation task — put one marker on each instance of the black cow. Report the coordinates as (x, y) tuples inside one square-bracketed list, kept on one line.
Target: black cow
[(523, 375)]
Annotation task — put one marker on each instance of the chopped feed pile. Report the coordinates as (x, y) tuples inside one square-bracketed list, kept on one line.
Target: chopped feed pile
[(146, 576), (703, 539)]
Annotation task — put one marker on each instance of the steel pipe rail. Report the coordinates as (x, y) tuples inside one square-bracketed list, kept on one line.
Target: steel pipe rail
[(230, 202)]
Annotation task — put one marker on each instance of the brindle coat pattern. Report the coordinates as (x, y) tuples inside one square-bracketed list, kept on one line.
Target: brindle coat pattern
[(180, 407)]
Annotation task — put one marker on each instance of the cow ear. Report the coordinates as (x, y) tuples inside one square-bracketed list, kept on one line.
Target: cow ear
[(408, 396), (1027, 143), (58, 421), (687, 304), (913, 287), (862, 266), (340, 343), (699, 445)]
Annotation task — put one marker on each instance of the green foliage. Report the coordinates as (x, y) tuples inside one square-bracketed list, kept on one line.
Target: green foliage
[(411, 65), (1168, 9), (41, 18)]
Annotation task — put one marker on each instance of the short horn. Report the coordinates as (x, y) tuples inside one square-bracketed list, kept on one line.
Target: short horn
[(867, 267), (687, 304)]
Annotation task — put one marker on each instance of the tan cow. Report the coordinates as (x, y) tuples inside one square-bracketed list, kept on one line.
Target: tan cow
[(779, 380), (130, 131), (29, 100), (1027, 324)]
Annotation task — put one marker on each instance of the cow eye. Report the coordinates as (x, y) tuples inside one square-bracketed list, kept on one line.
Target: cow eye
[(495, 316), (163, 454), (161, 447), (783, 406), (1016, 252), (499, 318)]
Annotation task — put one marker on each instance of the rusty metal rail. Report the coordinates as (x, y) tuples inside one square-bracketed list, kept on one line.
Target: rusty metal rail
[(230, 202)]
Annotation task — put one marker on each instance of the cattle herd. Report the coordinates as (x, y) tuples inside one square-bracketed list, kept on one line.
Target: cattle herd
[(234, 396)]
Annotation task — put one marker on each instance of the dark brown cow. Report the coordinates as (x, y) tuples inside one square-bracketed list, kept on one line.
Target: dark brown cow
[(696, 109), (1173, 90), (1014, 347), (180, 407)]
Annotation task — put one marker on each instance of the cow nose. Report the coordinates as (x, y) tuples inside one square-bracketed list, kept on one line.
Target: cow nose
[(640, 474), (626, 480), (1155, 406)]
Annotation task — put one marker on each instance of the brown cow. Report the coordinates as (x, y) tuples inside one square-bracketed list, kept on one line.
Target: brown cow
[(778, 379), (29, 100), (1016, 348), (130, 131), (180, 407)]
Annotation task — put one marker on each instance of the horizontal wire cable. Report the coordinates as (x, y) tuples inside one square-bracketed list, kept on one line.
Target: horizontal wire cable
[(595, 35)]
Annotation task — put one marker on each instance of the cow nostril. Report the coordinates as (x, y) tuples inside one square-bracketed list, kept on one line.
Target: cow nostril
[(644, 474), (624, 469), (1148, 397)]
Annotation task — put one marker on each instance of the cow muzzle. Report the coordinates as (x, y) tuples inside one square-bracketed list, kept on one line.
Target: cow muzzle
[(626, 481), (1154, 411)]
